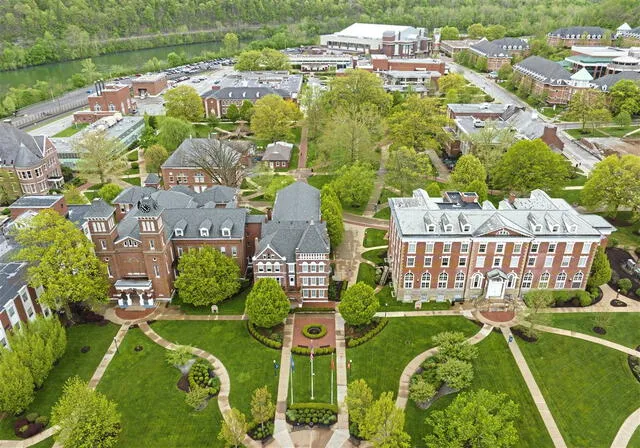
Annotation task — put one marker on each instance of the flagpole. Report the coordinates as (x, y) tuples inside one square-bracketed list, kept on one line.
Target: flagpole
[(291, 368), (312, 397)]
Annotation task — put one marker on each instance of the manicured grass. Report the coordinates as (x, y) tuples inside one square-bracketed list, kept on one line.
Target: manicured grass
[(132, 180), (312, 152), (578, 180), (374, 237), (72, 363), (231, 306), (613, 131), (295, 156), (494, 370), (367, 274), (130, 171), (384, 213), (249, 363), (248, 192), (573, 197), (204, 130), (153, 409), (375, 255), (90, 194), (132, 156), (628, 230), (622, 329), (589, 389), (635, 440), (354, 209), (71, 130), (227, 126), (321, 379), (320, 180), (46, 443), (381, 360), (389, 303)]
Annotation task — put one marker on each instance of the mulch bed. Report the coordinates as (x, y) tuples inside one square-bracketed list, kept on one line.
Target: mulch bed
[(31, 428), (599, 330), (183, 383), (617, 257), (617, 303), (352, 332), (498, 316), (518, 331), (133, 315)]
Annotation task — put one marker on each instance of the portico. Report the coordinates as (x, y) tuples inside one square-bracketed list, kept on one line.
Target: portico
[(134, 293)]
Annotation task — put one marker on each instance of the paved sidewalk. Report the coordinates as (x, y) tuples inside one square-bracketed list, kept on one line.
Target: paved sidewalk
[(281, 428), (106, 359), (443, 171), (626, 431), (414, 365), (455, 312), (536, 394), (302, 148), (589, 338), (341, 428)]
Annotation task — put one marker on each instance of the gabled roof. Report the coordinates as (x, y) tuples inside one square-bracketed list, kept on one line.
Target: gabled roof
[(217, 194), (582, 75), (99, 209), (608, 81), (543, 69), (313, 240), (152, 179), (499, 47), (578, 31), (184, 155), (297, 202), (278, 151), (244, 93), (133, 194), (19, 149)]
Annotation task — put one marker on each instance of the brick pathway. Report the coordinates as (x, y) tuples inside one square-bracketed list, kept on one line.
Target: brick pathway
[(341, 428), (281, 428), (626, 431), (302, 148), (328, 339), (534, 390), (414, 365)]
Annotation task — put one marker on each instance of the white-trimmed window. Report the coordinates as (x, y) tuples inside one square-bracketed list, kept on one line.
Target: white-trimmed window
[(476, 281), (480, 261), (179, 232), (582, 262), (103, 244), (462, 261), (517, 248), (321, 267), (531, 261), (204, 232), (268, 267), (464, 248), (156, 270), (548, 261), (443, 279), (425, 281), (512, 280), (586, 248), (180, 252), (446, 247), (411, 262), (568, 248), (497, 262), (428, 261), (565, 261), (408, 280), (444, 262), (428, 247), (576, 283), (226, 231), (543, 283), (552, 248), (411, 248), (514, 262), (560, 280), (276, 267), (500, 248), (305, 267), (534, 248), (234, 251), (459, 281), (152, 245), (527, 280), (483, 248), (313, 267)]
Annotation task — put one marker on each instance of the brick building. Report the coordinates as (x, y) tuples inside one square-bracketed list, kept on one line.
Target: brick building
[(453, 47), (498, 52), (294, 244), (106, 101), (35, 203), (217, 102), (630, 36), (587, 36), (28, 164), (149, 85), (278, 154), (382, 62), (453, 247)]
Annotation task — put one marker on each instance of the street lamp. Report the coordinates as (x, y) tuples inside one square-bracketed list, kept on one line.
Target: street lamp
[(617, 293)]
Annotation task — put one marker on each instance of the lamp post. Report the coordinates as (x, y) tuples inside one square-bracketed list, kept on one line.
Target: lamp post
[(617, 293)]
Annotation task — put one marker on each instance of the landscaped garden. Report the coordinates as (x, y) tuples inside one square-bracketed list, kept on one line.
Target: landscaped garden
[(381, 360), (73, 362), (494, 370), (301, 378), (622, 328), (374, 238), (154, 412), (589, 389)]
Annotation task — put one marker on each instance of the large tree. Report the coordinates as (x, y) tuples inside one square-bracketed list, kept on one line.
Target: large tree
[(34, 353), (101, 158), (383, 424), (53, 333), (355, 90), (173, 131), (358, 304), (359, 399), (86, 418), (449, 33), (220, 160), (154, 157), (407, 169), (588, 106), (108, 192), (230, 43), (479, 419), (62, 261), (354, 184), (528, 165), (490, 143), (206, 276), (266, 59), (600, 269), (418, 123), (625, 97), (475, 31), (16, 383), (614, 183), (267, 304), (184, 102), (273, 118), (468, 168), (331, 210)]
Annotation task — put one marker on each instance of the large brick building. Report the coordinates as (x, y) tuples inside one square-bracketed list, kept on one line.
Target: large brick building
[(578, 35), (105, 101), (453, 247), (372, 38), (381, 62), (28, 164), (498, 52)]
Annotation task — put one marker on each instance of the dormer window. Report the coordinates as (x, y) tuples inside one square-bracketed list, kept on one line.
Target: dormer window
[(573, 228), (448, 228), (204, 232), (466, 228), (179, 232), (226, 232), (537, 228), (431, 228), (555, 228)]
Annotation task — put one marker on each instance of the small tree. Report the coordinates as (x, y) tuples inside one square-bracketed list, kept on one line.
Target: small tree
[(86, 418), (359, 399), (383, 424), (536, 300), (197, 398), (184, 102), (407, 169), (433, 190), (53, 333), (73, 195), (100, 157), (16, 383), (623, 119), (154, 157), (449, 33), (234, 428), (453, 345), (359, 304), (468, 168), (480, 419), (246, 110), (456, 373), (206, 276), (354, 184), (109, 192), (600, 269), (233, 113), (267, 304), (262, 408), (180, 356), (420, 390)]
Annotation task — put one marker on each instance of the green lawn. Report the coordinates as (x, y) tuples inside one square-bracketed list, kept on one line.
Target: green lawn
[(622, 329), (573, 197), (384, 213), (367, 274), (231, 306), (71, 130), (295, 156), (578, 180), (589, 389), (354, 209), (73, 362), (249, 363), (635, 440), (46, 443), (130, 171), (132, 156), (628, 233), (388, 303), (613, 131), (374, 237), (153, 409), (312, 152), (132, 180), (321, 379), (381, 360), (494, 370), (204, 130), (320, 180), (375, 255)]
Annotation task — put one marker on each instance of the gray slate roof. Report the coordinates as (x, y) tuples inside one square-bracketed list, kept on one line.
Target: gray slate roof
[(183, 156), (152, 179), (133, 194), (244, 93), (76, 213), (499, 47), (218, 194), (578, 31), (36, 201), (13, 276), (99, 209), (19, 149), (297, 202), (287, 238), (543, 69), (608, 81), (278, 151)]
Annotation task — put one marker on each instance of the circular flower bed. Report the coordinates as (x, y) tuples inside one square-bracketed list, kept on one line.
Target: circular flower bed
[(314, 331)]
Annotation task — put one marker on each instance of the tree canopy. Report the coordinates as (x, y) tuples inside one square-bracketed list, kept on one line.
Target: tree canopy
[(354, 184), (273, 118), (408, 170), (173, 131), (625, 97), (331, 210), (417, 123), (183, 102), (101, 158), (358, 304), (267, 304), (383, 424), (154, 157), (266, 59)]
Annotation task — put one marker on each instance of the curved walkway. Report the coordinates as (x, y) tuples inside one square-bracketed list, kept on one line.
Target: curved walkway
[(626, 431), (586, 337), (414, 364), (220, 370)]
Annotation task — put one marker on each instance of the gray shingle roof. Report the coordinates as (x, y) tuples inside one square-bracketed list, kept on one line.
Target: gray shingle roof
[(183, 189), (184, 155), (608, 81), (77, 212), (578, 31), (99, 209), (218, 194), (36, 201), (499, 47), (19, 149), (286, 238), (152, 179), (13, 276), (133, 194), (297, 202), (244, 93), (278, 151), (547, 71)]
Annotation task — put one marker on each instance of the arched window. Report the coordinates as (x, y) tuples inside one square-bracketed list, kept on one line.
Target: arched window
[(544, 281), (112, 107), (97, 107), (269, 266), (560, 280), (512, 280), (527, 280), (260, 266), (408, 280), (476, 281), (443, 279), (576, 283), (425, 281), (459, 281)]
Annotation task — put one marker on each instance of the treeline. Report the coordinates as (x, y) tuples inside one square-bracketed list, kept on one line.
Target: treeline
[(34, 32)]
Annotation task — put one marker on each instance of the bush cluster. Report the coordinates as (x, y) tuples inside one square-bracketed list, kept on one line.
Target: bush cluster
[(316, 413), (316, 351), (200, 376), (257, 432), (313, 310), (272, 343), (584, 298), (377, 328), (306, 328)]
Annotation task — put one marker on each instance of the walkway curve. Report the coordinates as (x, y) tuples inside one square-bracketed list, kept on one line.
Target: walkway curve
[(414, 364), (589, 338), (219, 369), (626, 431)]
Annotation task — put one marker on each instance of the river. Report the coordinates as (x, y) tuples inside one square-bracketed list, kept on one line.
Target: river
[(61, 71)]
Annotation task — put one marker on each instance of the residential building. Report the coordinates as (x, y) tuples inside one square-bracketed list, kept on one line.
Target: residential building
[(151, 84), (184, 165), (28, 164), (498, 52), (24, 204), (372, 38), (105, 101), (606, 82), (578, 35), (453, 47), (454, 247), (629, 36), (294, 245), (278, 154)]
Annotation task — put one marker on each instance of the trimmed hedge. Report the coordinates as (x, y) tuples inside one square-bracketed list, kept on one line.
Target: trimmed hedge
[(263, 339), (201, 375), (312, 413), (370, 334), (316, 351), (313, 310), (306, 328), (256, 431)]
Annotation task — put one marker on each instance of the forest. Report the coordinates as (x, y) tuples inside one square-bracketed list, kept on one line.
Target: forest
[(39, 31)]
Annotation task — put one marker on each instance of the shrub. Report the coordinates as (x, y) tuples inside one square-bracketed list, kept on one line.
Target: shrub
[(321, 333), (321, 413), (379, 326), (420, 390), (263, 339), (316, 351), (314, 310), (31, 417), (132, 156), (180, 356), (43, 420), (260, 432), (134, 165), (584, 298), (200, 377), (562, 296), (625, 285), (196, 397), (638, 292)]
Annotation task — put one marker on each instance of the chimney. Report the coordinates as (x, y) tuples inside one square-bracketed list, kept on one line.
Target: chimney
[(269, 210)]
